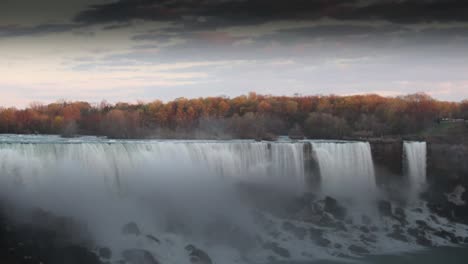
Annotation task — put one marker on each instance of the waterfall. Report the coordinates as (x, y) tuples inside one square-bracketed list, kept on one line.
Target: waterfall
[(241, 160), (415, 160), (346, 169)]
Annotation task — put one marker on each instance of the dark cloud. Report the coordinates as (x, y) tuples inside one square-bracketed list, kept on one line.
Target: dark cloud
[(17, 31), (235, 12)]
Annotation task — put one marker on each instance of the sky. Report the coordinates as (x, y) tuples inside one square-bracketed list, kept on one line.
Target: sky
[(129, 50)]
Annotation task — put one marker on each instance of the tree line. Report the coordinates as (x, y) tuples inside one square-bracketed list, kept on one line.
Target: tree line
[(248, 116)]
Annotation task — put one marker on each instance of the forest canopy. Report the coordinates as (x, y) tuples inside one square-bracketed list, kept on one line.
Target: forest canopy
[(248, 116)]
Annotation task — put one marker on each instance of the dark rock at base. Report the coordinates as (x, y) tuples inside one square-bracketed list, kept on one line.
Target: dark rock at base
[(315, 233), (273, 246), (138, 256), (423, 225), (153, 238), (131, 229), (331, 206), (368, 238), (465, 240), (326, 220), (364, 229), (105, 253), (298, 232), (446, 235), (420, 235), (39, 242), (323, 242), (358, 250), (385, 208), (398, 234), (423, 241), (73, 255), (400, 215), (414, 232), (197, 255)]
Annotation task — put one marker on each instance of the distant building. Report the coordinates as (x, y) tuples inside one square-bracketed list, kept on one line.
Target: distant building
[(452, 120)]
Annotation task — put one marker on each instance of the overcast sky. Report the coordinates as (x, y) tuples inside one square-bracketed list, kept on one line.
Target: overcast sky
[(125, 50)]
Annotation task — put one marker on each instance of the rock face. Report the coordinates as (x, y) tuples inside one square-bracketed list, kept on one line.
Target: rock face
[(447, 175), (447, 164), (387, 156)]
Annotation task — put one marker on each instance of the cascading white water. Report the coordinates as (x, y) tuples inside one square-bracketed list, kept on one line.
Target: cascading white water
[(116, 162), (211, 194), (415, 154), (346, 169), (160, 185)]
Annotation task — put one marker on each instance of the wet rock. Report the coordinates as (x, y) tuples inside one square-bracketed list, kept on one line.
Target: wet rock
[(385, 208), (198, 256), (368, 238), (323, 242), (338, 246), (326, 220), (400, 215), (423, 241), (153, 238), (105, 253), (298, 232), (358, 250), (315, 233), (446, 235), (73, 255), (364, 229), (331, 206), (273, 246), (420, 235), (131, 229), (398, 234), (465, 240), (414, 232), (138, 256)]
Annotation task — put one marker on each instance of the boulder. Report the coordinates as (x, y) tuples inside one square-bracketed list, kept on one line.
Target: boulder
[(131, 229), (331, 206), (273, 246), (358, 250), (197, 255), (385, 208), (298, 232)]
